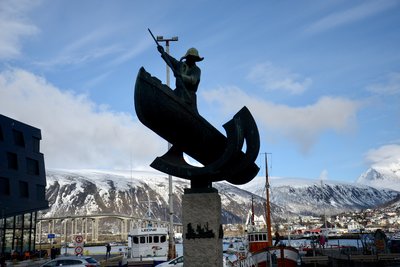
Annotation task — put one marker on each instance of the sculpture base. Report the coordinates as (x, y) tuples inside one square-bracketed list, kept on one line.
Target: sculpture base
[(202, 229)]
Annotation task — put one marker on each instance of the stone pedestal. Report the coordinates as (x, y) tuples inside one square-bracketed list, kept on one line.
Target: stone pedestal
[(202, 229)]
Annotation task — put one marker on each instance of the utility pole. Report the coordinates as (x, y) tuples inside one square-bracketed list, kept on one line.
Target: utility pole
[(171, 242)]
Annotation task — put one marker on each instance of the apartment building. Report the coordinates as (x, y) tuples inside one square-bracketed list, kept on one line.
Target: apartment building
[(22, 185)]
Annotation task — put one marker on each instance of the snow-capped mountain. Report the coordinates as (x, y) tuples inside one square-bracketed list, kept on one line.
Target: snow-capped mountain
[(92, 192), (302, 196), (382, 176)]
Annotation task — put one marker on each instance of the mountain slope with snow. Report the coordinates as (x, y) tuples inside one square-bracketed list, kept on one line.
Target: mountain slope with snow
[(92, 192), (382, 176), (302, 196)]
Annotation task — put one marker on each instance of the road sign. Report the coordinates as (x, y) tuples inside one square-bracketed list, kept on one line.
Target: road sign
[(78, 250), (78, 239), (50, 236)]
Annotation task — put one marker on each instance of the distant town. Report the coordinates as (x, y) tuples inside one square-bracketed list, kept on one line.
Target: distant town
[(343, 224)]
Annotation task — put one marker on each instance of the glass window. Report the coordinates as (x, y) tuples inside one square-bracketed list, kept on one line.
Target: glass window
[(18, 138), (4, 186), (255, 237), (91, 260), (9, 240), (10, 222), (135, 240), (156, 239), (150, 239), (1, 134), (23, 189), (163, 238), (27, 220), (32, 166), (12, 160), (18, 221), (40, 192), (36, 144), (26, 239), (142, 240)]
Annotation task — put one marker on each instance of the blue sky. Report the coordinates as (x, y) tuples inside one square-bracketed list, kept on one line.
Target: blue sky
[(322, 78)]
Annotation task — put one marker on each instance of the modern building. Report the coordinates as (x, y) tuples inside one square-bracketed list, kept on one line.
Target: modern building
[(22, 185)]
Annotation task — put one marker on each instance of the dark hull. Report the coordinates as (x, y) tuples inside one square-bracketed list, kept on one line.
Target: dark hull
[(162, 111)]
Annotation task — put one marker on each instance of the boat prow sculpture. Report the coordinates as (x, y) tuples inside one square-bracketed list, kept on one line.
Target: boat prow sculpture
[(173, 115), (163, 111)]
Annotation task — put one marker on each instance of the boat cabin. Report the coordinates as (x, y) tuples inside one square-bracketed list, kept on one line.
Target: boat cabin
[(150, 241), (258, 240)]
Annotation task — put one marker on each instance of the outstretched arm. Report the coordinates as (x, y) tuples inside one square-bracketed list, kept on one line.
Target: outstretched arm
[(171, 61)]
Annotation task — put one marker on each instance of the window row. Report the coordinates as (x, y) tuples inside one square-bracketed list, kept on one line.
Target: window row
[(258, 237), (19, 140), (149, 239), (32, 165), (23, 189)]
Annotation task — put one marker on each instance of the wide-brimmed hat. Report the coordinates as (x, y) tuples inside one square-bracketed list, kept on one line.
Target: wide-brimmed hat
[(192, 52)]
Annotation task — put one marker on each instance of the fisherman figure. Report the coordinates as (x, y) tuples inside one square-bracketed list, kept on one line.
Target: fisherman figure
[(187, 74)]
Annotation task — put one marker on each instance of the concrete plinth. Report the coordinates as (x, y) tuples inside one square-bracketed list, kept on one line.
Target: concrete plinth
[(202, 229)]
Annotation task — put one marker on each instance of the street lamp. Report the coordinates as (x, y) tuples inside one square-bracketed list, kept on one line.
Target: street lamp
[(171, 243), (167, 40)]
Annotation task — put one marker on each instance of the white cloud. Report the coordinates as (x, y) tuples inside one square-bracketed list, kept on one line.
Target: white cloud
[(390, 86), (354, 14), (303, 125), (76, 133), (14, 26), (274, 78), (384, 156)]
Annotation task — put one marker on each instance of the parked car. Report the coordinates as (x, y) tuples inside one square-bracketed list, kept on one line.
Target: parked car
[(177, 262), (73, 261)]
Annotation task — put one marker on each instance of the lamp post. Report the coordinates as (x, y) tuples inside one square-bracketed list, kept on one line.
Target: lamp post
[(171, 243)]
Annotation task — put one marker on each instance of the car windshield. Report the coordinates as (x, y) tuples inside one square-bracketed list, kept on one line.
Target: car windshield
[(90, 260)]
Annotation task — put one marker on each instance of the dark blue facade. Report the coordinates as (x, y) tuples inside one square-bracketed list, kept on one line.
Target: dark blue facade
[(22, 184)]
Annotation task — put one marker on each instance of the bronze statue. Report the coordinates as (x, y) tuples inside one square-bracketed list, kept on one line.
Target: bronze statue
[(173, 115), (187, 74)]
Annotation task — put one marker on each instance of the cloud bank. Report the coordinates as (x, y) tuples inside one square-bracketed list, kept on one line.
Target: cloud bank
[(76, 133), (302, 125), (386, 155)]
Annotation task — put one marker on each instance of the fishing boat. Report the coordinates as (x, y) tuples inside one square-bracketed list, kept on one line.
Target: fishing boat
[(148, 240), (261, 252)]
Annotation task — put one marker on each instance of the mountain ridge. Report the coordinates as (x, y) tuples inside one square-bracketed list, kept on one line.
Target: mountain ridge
[(81, 192)]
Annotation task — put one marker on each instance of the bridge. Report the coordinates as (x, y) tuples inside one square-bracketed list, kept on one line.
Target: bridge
[(95, 228)]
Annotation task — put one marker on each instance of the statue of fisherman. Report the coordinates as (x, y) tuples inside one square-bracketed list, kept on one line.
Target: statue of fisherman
[(187, 74)]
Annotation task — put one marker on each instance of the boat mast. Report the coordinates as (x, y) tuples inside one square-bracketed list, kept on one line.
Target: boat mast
[(267, 204), (252, 212)]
